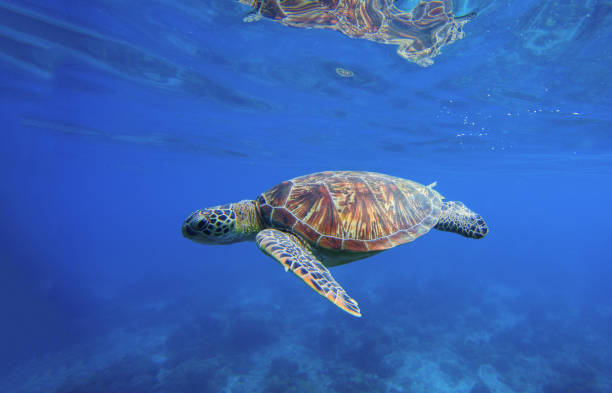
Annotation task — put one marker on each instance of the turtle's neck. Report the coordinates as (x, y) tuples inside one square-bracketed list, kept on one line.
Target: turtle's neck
[(248, 222)]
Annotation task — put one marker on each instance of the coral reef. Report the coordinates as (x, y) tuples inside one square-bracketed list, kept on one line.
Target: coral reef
[(448, 340)]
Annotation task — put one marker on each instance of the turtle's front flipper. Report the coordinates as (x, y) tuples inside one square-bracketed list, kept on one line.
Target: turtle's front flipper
[(288, 250), (252, 16)]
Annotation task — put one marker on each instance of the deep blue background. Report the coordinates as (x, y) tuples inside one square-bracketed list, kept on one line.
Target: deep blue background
[(119, 120)]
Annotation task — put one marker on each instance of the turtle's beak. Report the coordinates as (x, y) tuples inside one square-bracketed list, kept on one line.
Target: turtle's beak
[(192, 227), (188, 232)]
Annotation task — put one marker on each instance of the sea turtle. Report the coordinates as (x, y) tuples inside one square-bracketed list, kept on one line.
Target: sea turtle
[(419, 33), (331, 218)]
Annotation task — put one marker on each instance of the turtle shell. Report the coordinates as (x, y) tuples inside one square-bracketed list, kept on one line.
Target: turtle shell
[(351, 211)]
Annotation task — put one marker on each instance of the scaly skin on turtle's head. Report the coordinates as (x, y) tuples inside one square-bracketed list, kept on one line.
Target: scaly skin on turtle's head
[(223, 224), (457, 218)]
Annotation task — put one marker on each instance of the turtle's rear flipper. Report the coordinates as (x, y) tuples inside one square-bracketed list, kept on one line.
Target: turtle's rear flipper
[(288, 250)]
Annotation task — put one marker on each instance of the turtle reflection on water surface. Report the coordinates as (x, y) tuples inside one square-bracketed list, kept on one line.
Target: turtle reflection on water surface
[(419, 34), (331, 218)]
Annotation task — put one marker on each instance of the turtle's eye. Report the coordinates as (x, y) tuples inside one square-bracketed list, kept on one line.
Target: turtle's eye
[(197, 221)]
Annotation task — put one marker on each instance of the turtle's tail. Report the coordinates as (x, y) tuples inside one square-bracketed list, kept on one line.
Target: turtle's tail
[(456, 217)]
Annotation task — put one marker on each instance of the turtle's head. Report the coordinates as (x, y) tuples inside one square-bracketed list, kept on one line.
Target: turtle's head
[(210, 226), (457, 218), (222, 224)]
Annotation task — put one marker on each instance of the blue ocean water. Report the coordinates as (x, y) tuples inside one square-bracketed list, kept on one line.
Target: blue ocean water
[(121, 118)]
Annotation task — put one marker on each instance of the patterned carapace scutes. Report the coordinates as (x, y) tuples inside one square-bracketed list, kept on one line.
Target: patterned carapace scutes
[(419, 33), (351, 211), (285, 248)]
